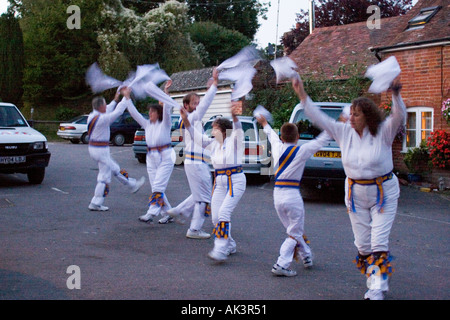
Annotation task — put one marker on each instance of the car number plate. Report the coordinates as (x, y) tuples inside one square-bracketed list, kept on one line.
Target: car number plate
[(327, 154), (11, 160)]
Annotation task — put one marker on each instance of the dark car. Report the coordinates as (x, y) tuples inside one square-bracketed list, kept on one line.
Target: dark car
[(124, 128), (324, 168)]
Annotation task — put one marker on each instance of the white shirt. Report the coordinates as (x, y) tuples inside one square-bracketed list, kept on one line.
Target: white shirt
[(101, 131), (195, 119), (226, 155), (365, 157), (157, 134), (295, 169)]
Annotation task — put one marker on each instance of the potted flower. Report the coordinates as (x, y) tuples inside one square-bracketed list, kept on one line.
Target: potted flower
[(416, 160), (446, 110)]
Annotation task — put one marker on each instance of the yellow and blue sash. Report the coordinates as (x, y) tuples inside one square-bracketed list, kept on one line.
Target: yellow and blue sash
[(285, 160), (181, 124), (284, 183), (197, 157), (228, 172), (377, 181)]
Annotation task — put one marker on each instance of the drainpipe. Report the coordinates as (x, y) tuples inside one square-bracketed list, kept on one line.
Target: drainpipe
[(312, 19)]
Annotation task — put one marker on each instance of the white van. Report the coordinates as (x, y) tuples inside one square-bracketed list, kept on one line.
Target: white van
[(22, 149), (324, 168)]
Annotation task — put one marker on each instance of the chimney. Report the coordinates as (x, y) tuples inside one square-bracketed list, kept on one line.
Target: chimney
[(312, 20)]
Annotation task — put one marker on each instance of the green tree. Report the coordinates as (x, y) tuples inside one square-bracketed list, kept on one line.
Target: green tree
[(11, 59), (219, 42), (57, 57), (239, 15), (128, 39)]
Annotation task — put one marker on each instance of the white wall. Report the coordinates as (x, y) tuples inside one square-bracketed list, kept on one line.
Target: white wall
[(220, 104)]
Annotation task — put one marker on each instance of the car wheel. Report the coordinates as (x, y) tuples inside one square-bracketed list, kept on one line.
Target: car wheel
[(119, 139), (142, 158), (36, 175), (75, 141), (85, 138)]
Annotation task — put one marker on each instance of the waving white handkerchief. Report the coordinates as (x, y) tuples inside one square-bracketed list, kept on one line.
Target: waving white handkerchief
[(247, 55), (260, 110), (284, 68), (242, 76), (382, 74), (155, 92), (98, 81)]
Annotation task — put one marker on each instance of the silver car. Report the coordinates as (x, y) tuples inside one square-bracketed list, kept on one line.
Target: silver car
[(324, 168)]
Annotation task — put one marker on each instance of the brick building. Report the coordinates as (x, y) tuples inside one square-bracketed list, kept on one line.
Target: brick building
[(420, 40)]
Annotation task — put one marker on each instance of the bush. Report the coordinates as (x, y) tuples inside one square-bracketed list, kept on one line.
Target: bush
[(416, 159), (64, 114)]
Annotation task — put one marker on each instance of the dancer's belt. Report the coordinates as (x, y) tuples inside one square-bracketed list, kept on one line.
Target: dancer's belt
[(159, 148), (228, 172), (295, 184), (98, 143), (197, 157), (377, 181)]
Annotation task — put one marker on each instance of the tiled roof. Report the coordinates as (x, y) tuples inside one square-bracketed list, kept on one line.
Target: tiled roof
[(193, 80), (329, 48), (437, 29)]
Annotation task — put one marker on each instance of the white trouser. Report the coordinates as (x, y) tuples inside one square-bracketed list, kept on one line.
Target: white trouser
[(223, 205), (159, 168), (106, 167), (290, 209), (199, 178), (371, 228)]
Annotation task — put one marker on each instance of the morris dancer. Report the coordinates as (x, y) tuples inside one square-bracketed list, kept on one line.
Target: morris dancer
[(99, 121), (229, 183), (286, 194), (371, 188), (196, 167), (160, 156)]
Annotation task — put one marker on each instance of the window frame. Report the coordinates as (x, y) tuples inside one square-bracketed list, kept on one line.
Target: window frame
[(415, 22), (418, 130)]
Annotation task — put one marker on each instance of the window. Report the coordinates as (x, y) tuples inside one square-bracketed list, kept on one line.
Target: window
[(423, 17), (419, 125)]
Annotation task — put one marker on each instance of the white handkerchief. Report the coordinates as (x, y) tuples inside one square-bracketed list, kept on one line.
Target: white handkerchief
[(242, 76), (98, 81), (284, 68), (247, 55), (382, 74), (260, 110), (154, 91)]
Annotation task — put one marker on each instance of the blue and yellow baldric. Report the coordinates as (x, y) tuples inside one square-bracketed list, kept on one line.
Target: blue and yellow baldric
[(285, 160), (197, 157), (228, 172), (367, 182)]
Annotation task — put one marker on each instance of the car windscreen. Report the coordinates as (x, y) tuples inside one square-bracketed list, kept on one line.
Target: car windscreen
[(10, 117), (307, 131), (79, 120)]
